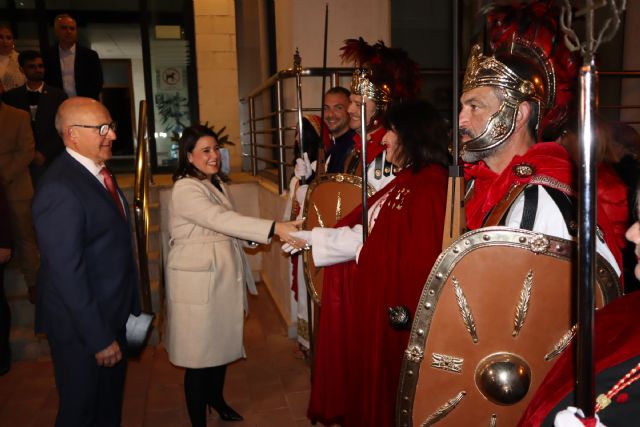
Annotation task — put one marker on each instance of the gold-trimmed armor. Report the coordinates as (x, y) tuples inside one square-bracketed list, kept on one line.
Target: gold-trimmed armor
[(522, 73), (362, 85)]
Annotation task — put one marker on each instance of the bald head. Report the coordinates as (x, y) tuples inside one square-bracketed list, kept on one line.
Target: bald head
[(74, 110), (78, 120)]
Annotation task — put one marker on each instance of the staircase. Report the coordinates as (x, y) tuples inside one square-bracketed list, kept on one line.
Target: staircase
[(25, 345)]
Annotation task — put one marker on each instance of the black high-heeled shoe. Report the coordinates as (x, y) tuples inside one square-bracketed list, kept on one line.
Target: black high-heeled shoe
[(226, 412)]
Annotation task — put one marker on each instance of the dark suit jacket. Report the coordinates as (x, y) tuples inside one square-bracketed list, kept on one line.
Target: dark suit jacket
[(48, 142), (88, 71), (87, 284)]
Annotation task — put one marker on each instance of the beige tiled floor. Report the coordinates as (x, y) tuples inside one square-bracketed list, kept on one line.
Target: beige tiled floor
[(270, 388)]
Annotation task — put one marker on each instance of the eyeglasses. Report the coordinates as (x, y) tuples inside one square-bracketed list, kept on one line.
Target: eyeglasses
[(103, 129)]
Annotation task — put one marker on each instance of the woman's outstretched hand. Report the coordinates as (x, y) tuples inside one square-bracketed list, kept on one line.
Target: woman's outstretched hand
[(284, 231)]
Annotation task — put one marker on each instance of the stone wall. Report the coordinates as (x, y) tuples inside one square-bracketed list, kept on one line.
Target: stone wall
[(217, 65)]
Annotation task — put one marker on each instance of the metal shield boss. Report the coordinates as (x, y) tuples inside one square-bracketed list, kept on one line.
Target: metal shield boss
[(494, 314)]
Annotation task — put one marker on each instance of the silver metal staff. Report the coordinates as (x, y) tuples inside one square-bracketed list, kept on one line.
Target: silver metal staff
[(297, 67), (320, 165), (454, 219), (585, 375), (320, 169), (363, 134)]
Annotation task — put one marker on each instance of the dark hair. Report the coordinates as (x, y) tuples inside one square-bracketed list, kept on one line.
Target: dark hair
[(6, 27), (337, 90), (423, 134), (188, 140), (28, 55)]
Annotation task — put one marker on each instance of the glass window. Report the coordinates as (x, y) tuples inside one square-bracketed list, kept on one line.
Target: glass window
[(169, 62), (22, 4), (72, 5), (26, 36), (166, 5)]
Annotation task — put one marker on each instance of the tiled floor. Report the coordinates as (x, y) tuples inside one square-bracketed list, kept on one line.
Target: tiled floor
[(270, 388)]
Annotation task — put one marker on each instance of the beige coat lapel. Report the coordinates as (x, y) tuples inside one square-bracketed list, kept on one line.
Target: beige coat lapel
[(219, 196)]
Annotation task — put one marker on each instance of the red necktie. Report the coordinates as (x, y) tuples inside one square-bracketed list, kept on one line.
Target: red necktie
[(111, 188)]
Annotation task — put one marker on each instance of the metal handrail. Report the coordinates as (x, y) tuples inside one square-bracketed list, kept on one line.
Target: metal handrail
[(290, 72), (278, 129), (141, 208)]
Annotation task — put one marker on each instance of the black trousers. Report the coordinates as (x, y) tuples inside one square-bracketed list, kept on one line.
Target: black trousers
[(90, 395), (202, 387)]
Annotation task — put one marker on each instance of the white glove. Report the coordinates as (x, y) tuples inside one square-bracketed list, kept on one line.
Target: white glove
[(301, 194), (303, 235), (570, 417), (304, 168), (289, 249)]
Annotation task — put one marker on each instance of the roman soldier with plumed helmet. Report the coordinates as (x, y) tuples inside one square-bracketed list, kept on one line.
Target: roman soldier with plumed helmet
[(517, 180), (383, 75)]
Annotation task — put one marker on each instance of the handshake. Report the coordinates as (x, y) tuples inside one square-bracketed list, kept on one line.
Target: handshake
[(301, 241)]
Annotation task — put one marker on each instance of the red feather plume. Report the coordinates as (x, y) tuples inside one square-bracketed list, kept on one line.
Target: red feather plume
[(390, 66), (538, 21)]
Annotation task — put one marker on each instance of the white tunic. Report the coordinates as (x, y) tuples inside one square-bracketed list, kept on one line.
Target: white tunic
[(549, 220)]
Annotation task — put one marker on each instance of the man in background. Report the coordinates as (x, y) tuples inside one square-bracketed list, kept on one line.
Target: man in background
[(41, 101), (70, 66), (336, 116)]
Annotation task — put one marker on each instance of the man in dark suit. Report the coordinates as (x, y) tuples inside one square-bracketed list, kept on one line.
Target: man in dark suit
[(41, 101), (87, 282), (71, 67)]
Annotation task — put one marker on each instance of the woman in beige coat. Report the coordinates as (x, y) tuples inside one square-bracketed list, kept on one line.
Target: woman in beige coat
[(207, 272)]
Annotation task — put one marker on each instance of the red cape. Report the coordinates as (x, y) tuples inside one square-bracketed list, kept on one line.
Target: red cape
[(548, 159), (374, 143), (613, 214), (617, 339), (358, 355)]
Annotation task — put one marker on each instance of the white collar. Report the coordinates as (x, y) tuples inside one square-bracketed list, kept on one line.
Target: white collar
[(39, 89), (89, 164), (72, 49)]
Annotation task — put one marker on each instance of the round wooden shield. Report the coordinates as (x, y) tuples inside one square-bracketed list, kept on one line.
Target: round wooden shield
[(493, 316), (328, 199)]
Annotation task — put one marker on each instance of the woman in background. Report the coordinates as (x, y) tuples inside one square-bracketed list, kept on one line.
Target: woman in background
[(207, 273), (10, 74)]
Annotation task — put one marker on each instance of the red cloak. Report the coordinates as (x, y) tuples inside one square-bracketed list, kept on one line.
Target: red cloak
[(374, 143), (617, 339), (358, 355), (613, 213), (552, 168), (549, 160)]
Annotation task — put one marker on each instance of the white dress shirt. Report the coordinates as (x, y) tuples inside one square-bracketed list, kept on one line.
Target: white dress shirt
[(67, 68)]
